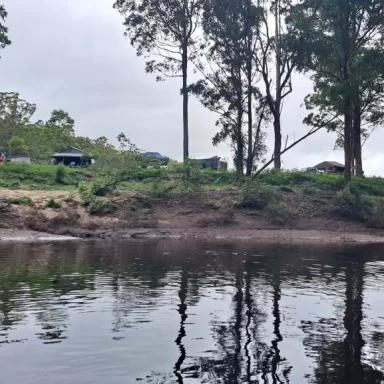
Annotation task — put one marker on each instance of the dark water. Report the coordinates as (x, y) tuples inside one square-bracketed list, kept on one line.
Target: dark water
[(181, 312)]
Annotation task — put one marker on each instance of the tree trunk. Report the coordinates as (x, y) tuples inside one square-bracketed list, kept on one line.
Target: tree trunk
[(185, 104), (347, 142), (277, 116), (250, 122), (240, 148), (277, 151), (357, 136)]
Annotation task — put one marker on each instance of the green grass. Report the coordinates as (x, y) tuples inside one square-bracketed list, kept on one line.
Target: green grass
[(39, 176), (44, 176), (23, 200), (322, 181)]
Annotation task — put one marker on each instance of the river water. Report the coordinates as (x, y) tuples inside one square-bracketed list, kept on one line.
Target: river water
[(184, 312)]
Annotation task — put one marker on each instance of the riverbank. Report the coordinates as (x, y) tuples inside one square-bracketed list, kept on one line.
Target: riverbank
[(205, 215)]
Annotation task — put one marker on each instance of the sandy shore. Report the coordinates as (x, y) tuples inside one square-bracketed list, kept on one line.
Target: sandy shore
[(278, 236), (25, 235)]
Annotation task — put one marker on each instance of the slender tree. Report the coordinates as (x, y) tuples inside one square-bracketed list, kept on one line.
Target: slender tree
[(229, 83), (272, 49), (166, 29)]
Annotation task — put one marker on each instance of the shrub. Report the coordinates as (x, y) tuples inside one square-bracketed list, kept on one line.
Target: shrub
[(351, 202), (23, 200), (160, 187), (279, 213), (52, 203), (61, 173), (255, 195), (140, 202), (189, 176), (376, 219), (96, 204), (101, 206)]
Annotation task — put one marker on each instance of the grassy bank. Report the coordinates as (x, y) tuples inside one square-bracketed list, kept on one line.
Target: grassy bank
[(40, 176), (45, 176), (89, 202)]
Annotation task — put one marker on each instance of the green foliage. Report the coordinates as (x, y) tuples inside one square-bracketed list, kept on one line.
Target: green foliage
[(91, 194), (255, 195), (279, 213), (23, 200), (17, 146), (61, 173), (156, 26), (376, 219), (14, 114), (4, 40), (52, 203), (188, 176), (14, 175), (352, 203), (101, 205)]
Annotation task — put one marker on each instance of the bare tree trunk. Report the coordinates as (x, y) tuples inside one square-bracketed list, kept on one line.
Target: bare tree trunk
[(240, 147), (347, 142), (185, 104), (277, 151), (357, 136), (250, 121), (277, 116)]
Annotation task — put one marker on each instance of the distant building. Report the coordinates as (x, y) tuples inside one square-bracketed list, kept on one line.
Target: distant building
[(72, 156), (156, 155), (20, 159), (158, 159), (214, 163), (330, 166)]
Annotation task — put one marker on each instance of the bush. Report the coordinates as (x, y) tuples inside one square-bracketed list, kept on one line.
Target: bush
[(101, 206), (52, 203), (189, 176), (140, 202), (96, 204), (61, 173), (255, 195), (279, 213), (23, 200), (353, 203), (376, 219)]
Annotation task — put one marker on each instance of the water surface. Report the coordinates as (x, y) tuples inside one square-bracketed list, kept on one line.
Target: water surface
[(183, 312)]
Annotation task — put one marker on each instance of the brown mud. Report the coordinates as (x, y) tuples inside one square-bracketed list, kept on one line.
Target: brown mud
[(208, 215)]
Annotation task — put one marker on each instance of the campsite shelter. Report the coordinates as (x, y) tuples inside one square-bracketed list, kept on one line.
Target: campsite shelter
[(71, 156)]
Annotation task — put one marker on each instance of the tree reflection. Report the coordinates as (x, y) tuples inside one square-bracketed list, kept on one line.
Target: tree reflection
[(183, 316), (340, 361)]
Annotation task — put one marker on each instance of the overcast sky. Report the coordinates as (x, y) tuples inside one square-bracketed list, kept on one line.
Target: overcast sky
[(72, 55)]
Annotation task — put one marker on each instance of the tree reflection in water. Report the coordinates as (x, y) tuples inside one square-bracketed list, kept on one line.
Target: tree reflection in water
[(340, 361), (183, 316), (46, 286)]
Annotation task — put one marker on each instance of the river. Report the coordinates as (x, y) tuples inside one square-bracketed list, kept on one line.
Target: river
[(190, 312)]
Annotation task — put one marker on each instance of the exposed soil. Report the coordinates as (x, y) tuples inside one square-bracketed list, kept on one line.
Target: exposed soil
[(208, 215)]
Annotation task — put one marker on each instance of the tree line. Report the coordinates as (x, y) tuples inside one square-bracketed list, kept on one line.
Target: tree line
[(20, 136), (246, 51), (242, 54)]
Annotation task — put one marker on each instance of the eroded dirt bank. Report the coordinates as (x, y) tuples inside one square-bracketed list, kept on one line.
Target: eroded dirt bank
[(208, 215)]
